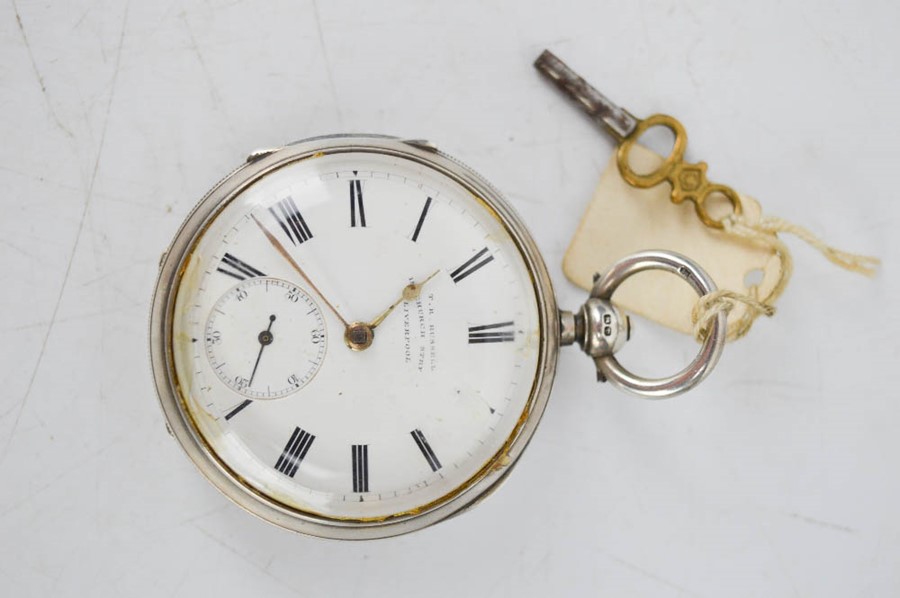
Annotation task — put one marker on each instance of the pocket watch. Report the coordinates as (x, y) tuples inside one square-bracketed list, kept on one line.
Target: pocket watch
[(355, 336)]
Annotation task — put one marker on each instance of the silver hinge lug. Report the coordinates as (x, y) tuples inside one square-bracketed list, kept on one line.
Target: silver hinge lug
[(422, 144), (259, 154)]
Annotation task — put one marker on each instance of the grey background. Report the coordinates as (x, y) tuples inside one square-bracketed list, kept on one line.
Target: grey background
[(778, 477)]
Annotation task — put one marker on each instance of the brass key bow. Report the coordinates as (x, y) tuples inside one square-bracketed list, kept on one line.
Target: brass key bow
[(688, 181)]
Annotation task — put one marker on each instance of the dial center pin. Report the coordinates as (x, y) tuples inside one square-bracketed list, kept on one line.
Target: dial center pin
[(266, 337), (359, 336)]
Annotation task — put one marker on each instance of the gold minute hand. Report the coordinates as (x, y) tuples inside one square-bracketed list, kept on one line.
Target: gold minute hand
[(410, 293), (280, 248)]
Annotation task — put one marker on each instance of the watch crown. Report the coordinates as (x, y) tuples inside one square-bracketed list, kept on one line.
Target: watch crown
[(605, 328)]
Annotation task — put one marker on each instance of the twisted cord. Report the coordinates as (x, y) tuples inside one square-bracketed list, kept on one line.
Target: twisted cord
[(765, 233)]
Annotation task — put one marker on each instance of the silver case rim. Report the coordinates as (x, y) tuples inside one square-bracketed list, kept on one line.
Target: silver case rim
[(160, 340)]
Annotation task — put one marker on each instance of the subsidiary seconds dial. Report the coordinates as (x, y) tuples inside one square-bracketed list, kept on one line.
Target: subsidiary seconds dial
[(265, 338)]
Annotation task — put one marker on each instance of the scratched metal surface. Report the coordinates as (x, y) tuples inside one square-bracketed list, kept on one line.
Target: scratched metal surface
[(778, 477)]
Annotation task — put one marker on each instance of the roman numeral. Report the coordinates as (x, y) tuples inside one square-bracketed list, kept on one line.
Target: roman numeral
[(294, 451), (357, 211), (415, 236), (427, 452), (237, 409), (492, 333), (291, 221), (360, 467), (234, 267), (472, 265)]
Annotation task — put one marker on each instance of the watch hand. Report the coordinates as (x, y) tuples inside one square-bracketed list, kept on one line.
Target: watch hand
[(280, 248), (410, 293), (359, 335), (265, 339)]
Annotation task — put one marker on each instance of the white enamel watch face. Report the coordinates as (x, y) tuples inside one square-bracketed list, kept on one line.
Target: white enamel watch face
[(353, 337)]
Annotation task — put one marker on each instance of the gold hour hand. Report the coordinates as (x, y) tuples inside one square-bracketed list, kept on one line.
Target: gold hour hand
[(359, 335), (410, 293)]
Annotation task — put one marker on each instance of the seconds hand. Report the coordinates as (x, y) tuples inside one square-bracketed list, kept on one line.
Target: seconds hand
[(265, 339)]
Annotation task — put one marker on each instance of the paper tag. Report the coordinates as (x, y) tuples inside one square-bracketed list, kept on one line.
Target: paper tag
[(621, 220)]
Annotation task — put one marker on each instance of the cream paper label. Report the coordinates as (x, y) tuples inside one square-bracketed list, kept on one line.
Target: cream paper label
[(621, 220)]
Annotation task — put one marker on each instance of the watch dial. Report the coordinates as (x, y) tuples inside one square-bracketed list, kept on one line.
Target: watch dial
[(426, 306)]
